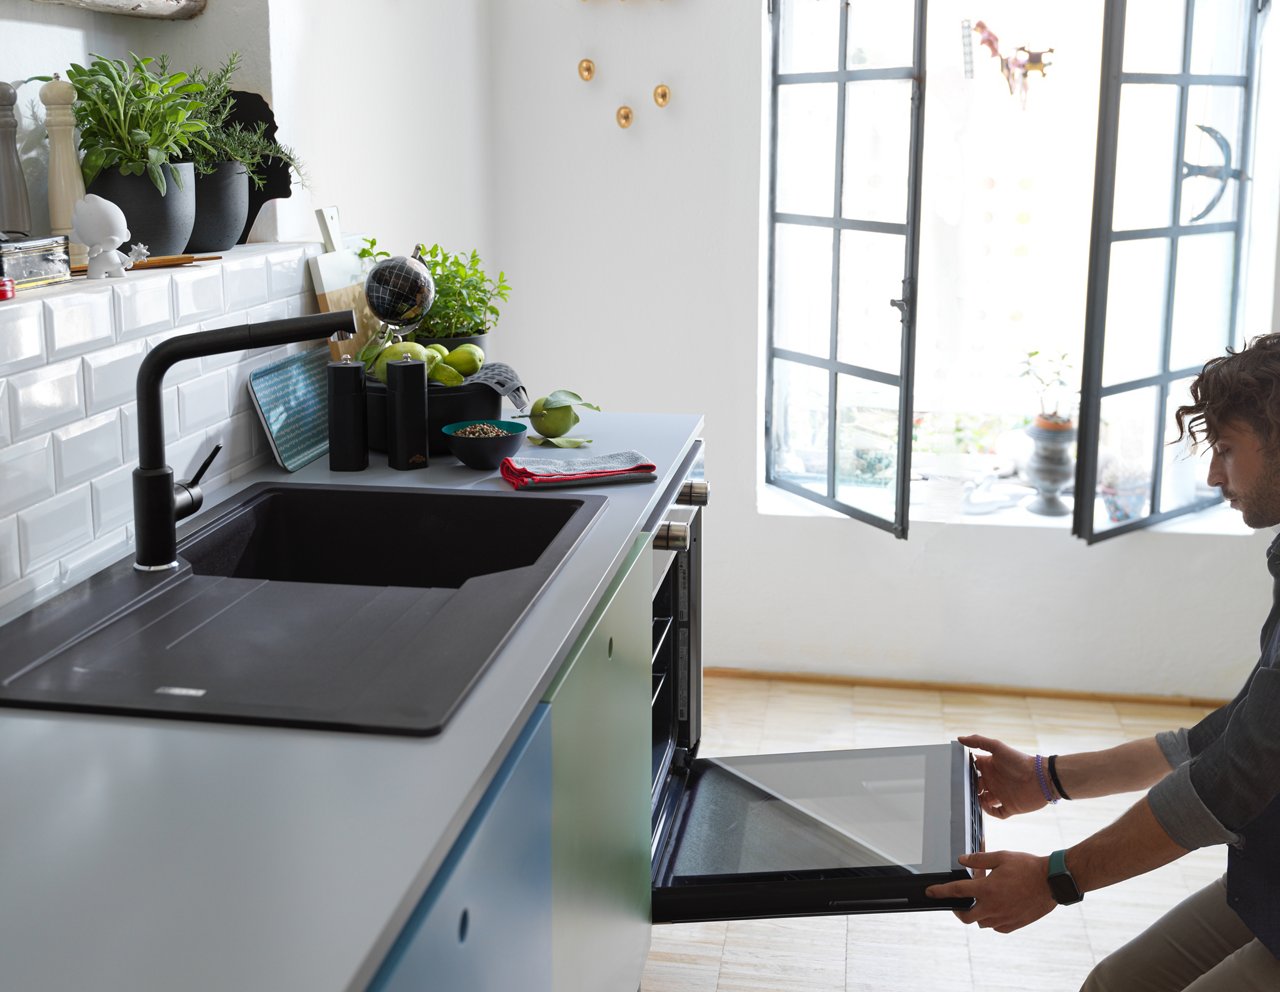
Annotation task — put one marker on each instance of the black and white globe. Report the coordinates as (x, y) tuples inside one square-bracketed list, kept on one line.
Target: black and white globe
[(400, 290)]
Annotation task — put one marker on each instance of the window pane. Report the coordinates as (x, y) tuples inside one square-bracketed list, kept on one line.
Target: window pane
[(809, 36), (877, 150), (1216, 107), (871, 267), (1145, 157), (806, 154), (867, 445), (881, 35), (800, 421), (1126, 457), (1185, 476), (1218, 37), (1202, 298), (1153, 33), (802, 289), (1136, 286)]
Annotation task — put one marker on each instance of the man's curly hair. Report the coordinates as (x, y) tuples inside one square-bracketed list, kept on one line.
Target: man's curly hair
[(1241, 386)]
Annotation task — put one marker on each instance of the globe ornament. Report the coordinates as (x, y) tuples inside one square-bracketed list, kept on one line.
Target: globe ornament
[(399, 290)]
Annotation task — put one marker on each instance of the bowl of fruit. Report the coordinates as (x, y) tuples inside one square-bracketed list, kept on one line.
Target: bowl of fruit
[(483, 443)]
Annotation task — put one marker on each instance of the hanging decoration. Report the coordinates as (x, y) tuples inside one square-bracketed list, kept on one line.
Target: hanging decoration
[(1015, 68)]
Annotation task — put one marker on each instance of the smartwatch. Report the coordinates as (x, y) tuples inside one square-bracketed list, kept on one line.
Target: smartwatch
[(1061, 885)]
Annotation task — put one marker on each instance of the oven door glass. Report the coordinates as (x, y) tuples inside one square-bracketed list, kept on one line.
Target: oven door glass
[(828, 832)]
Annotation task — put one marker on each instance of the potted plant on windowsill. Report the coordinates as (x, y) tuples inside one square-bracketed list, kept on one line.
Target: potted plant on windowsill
[(1051, 465), (230, 158), (138, 126)]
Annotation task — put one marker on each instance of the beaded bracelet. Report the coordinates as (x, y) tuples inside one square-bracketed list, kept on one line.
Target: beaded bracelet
[(1053, 774), (1044, 781)]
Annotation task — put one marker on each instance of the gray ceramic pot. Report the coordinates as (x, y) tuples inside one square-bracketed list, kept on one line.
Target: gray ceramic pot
[(222, 206), (162, 223)]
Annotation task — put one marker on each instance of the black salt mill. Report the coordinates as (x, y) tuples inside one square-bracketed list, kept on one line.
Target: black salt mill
[(348, 417), (407, 414)]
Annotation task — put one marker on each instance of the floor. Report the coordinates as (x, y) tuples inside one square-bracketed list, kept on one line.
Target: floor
[(925, 951)]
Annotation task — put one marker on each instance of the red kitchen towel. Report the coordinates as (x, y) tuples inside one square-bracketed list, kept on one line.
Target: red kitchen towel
[(548, 473)]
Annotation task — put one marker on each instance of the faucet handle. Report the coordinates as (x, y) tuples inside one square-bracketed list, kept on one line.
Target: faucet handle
[(187, 497)]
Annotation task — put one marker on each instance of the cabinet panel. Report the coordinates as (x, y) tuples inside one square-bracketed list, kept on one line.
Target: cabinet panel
[(601, 744), (485, 920)]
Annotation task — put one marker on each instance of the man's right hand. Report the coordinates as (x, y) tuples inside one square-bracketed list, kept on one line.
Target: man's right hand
[(1008, 783)]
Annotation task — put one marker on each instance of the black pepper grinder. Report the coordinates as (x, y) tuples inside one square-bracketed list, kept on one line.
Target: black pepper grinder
[(348, 417), (407, 414)]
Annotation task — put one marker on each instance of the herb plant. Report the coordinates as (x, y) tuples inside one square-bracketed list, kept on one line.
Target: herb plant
[(465, 295), (135, 118)]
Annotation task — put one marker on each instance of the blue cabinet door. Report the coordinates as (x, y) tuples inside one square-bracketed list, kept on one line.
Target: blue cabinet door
[(485, 921)]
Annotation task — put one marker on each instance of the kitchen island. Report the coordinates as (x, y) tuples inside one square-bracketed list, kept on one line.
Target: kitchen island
[(149, 854)]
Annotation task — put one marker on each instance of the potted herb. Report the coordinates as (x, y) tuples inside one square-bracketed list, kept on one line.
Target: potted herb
[(231, 157), (1051, 466), (138, 127), (465, 306), (1049, 373)]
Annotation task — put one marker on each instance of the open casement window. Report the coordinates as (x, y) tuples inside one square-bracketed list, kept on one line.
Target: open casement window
[(1174, 132), (848, 112)]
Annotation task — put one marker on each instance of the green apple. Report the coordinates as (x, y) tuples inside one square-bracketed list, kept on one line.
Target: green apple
[(395, 352), (466, 358)]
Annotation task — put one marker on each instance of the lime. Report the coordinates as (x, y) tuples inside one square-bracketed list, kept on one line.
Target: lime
[(394, 352), (466, 358)]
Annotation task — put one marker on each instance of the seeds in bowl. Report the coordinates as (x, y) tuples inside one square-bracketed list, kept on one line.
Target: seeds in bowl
[(482, 430)]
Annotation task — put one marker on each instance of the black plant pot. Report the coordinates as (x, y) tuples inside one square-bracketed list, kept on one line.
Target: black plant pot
[(222, 205), (162, 223)]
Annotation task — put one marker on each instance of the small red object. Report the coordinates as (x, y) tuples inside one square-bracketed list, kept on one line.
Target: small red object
[(6, 289)]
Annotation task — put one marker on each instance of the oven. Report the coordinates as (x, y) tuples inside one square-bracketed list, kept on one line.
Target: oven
[(831, 832)]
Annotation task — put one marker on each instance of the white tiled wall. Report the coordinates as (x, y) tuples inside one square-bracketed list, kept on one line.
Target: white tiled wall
[(69, 360)]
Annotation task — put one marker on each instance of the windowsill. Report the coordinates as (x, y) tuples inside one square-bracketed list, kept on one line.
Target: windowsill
[(943, 501)]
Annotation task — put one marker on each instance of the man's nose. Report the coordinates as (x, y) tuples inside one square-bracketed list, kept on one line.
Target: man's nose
[(1216, 476)]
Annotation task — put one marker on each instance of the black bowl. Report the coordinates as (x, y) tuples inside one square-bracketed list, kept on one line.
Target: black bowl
[(484, 452)]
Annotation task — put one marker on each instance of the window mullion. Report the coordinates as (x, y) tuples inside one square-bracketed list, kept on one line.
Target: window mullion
[(833, 410)]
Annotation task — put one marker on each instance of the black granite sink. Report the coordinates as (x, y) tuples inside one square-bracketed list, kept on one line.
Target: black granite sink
[(352, 608)]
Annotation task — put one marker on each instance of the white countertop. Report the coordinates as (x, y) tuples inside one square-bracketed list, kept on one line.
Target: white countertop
[(148, 855)]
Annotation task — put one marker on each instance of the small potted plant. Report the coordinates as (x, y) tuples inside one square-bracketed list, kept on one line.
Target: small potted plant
[(465, 307), (1051, 465), (1049, 373), (138, 126), (230, 158)]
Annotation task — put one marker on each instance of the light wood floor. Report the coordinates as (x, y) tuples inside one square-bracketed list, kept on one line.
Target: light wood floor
[(906, 952)]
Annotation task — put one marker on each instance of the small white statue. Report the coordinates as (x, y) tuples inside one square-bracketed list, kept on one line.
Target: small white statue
[(101, 225)]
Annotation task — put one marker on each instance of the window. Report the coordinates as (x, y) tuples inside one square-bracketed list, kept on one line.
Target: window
[(841, 401)]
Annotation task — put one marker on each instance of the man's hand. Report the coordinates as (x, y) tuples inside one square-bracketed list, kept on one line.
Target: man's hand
[(1008, 783), (1010, 889)]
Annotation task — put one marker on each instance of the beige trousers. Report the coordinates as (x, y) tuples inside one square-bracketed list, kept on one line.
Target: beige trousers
[(1198, 946)]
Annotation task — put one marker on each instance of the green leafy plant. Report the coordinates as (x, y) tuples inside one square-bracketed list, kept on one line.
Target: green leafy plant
[(136, 117), (1049, 372), (465, 295), (371, 250), (231, 141)]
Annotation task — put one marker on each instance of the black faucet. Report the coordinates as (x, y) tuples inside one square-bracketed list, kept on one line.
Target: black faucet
[(158, 504)]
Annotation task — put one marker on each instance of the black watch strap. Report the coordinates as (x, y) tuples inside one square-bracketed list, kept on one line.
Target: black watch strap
[(1061, 885)]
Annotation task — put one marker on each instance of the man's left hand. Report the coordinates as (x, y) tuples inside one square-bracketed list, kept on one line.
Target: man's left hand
[(1010, 890)]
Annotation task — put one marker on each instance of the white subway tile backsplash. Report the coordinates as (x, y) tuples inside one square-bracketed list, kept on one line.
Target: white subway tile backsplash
[(26, 474), (185, 370), (77, 322), (237, 318), (287, 273), (185, 455), (275, 310), (112, 499), (21, 336), (10, 563), (111, 375), (244, 282), (98, 554), (6, 434), (45, 398), (237, 439), (17, 597), (143, 306), (129, 422), (303, 306), (203, 402), (197, 293), (85, 450), (55, 527), (238, 377)]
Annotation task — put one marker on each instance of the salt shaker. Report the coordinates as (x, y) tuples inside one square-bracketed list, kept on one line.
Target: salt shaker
[(348, 417), (15, 205), (66, 182), (407, 414)]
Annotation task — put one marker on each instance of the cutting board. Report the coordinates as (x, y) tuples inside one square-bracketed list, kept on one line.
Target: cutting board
[(338, 277)]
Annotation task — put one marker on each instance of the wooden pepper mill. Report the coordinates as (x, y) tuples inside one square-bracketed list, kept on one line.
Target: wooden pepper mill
[(66, 182), (15, 205)]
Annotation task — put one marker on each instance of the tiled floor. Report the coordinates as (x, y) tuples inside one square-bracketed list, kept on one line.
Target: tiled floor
[(925, 951)]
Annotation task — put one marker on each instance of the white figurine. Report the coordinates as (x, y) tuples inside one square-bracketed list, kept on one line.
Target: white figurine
[(101, 225)]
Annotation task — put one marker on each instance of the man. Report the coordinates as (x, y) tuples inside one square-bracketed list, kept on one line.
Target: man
[(1217, 783)]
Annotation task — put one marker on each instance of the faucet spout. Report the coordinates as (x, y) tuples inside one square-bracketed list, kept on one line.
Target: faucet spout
[(157, 507)]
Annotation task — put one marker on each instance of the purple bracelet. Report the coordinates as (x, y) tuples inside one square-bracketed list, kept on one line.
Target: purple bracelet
[(1044, 781)]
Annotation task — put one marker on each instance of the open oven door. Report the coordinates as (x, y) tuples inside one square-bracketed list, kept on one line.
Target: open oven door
[(821, 833)]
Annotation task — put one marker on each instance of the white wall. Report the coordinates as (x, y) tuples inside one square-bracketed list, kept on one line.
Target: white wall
[(634, 256)]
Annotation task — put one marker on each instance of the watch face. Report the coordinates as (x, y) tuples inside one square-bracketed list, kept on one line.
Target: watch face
[(1063, 888)]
